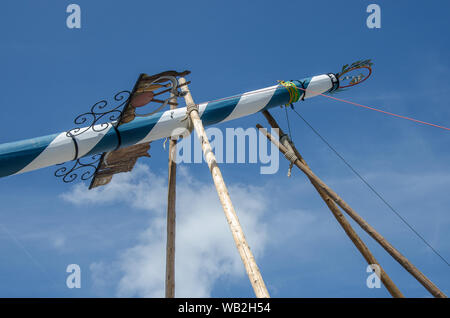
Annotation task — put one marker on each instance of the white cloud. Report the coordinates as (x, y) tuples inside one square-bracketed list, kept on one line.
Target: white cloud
[(143, 189), (59, 241), (205, 250), (206, 253)]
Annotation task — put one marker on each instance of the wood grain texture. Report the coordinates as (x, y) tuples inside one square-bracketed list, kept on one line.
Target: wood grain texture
[(345, 224), (117, 161), (171, 220), (402, 260), (238, 234)]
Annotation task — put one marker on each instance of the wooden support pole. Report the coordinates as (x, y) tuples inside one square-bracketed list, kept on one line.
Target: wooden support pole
[(402, 260), (171, 214), (345, 224), (238, 235)]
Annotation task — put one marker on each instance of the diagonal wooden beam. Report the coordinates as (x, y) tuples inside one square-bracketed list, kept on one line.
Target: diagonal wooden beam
[(345, 224), (171, 216), (402, 260), (238, 235)]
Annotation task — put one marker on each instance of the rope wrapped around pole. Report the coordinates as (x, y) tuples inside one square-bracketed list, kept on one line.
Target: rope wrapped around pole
[(345, 224), (402, 260)]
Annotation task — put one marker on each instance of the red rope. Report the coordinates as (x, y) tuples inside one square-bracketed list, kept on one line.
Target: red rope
[(378, 110)]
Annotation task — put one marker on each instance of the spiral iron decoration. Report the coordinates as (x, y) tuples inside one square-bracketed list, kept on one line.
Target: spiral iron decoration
[(99, 112), (85, 167), (347, 79), (172, 89), (103, 115)]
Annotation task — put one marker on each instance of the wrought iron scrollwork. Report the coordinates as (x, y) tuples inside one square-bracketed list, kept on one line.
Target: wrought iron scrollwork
[(99, 112), (171, 87), (100, 117), (103, 115), (346, 79), (85, 167)]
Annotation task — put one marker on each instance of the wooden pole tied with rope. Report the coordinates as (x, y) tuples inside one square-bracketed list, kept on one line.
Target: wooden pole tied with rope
[(171, 216), (345, 224), (402, 260), (238, 235)]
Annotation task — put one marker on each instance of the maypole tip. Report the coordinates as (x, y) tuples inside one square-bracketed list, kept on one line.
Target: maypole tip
[(355, 73)]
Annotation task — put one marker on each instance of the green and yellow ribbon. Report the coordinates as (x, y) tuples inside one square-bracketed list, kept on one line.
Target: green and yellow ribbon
[(294, 94)]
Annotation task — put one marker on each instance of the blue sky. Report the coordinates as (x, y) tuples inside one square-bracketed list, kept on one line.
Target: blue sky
[(50, 74)]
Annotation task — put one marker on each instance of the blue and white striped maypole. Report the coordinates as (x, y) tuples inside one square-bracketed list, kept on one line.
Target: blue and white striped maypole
[(31, 154)]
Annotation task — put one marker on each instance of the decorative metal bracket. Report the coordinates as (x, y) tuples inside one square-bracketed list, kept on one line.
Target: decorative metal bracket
[(348, 77), (99, 112), (147, 93), (88, 165), (101, 116)]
